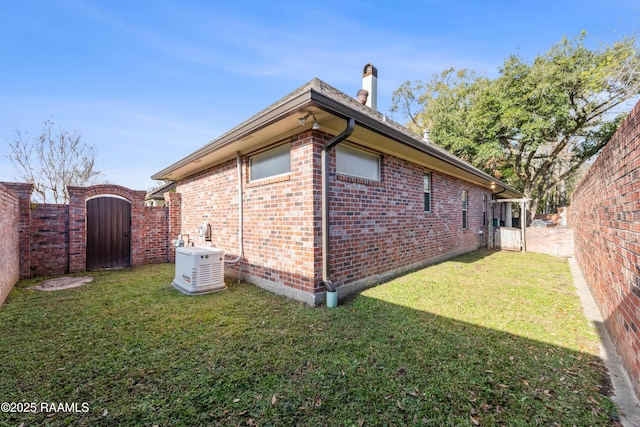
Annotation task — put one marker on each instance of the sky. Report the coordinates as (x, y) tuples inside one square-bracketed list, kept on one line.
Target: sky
[(149, 82)]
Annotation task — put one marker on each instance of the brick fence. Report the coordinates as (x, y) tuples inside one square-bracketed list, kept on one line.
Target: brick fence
[(49, 245), (9, 256), (50, 239), (605, 214), (556, 241)]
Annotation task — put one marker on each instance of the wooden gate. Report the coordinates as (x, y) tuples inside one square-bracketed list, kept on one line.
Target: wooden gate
[(508, 238), (108, 233)]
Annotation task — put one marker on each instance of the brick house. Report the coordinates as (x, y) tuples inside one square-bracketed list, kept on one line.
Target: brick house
[(320, 190)]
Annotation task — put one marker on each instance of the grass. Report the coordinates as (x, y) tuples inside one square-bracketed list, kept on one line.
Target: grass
[(484, 339)]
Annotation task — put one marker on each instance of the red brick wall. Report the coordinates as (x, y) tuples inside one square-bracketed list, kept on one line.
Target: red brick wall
[(280, 221), (556, 241), (9, 242), (77, 217), (49, 240), (210, 196), (23, 192), (279, 217), (156, 234), (377, 227), (605, 214)]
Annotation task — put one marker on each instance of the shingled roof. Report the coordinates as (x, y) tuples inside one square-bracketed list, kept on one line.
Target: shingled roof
[(323, 96)]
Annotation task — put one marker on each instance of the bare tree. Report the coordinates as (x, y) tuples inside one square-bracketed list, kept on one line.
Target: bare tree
[(52, 161)]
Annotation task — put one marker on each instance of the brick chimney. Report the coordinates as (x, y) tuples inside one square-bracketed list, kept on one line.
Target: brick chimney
[(370, 84)]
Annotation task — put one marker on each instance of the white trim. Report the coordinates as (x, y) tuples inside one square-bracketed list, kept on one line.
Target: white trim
[(115, 196), (465, 209), (426, 174)]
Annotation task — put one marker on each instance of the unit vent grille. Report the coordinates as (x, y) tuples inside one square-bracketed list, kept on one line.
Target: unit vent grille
[(207, 274)]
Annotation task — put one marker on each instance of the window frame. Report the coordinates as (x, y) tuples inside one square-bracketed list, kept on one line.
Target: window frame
[(358, 151), (426, 182), (465, 209), (484, 210), (267, 155)]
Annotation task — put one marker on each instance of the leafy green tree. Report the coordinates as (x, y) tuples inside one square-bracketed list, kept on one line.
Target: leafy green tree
[(537, 122), (52, 161)]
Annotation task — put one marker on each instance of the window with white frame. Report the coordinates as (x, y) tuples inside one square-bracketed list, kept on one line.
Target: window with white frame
[(427, 192), (358, 163), (274, 162), (465, 205), (484, 210)]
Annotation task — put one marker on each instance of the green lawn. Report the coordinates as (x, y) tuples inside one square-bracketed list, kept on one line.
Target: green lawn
[(484, 339)]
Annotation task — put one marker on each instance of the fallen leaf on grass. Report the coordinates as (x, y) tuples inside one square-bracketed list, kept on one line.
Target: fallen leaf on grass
[(274, 399), (475, 421)]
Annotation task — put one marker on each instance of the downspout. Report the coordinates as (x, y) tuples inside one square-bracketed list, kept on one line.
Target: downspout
[(491, 238), (493, 197), (326, 282), (240, 211), (499, 192)]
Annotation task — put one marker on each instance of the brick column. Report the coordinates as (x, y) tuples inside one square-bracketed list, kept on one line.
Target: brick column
[(24, 224), (77, 232), (10, 241), (136, 198)]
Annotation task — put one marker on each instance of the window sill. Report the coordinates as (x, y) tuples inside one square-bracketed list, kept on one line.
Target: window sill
[(270, 180), (356, 180)]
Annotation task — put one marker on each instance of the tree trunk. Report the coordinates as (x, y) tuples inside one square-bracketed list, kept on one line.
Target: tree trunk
[(532, 205)]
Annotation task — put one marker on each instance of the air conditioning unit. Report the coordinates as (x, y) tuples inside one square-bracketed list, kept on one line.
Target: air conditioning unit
[(199, 270)]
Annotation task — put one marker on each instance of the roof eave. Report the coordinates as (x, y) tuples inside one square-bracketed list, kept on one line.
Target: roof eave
[(381, 127), (313, 94), (251, 125)]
